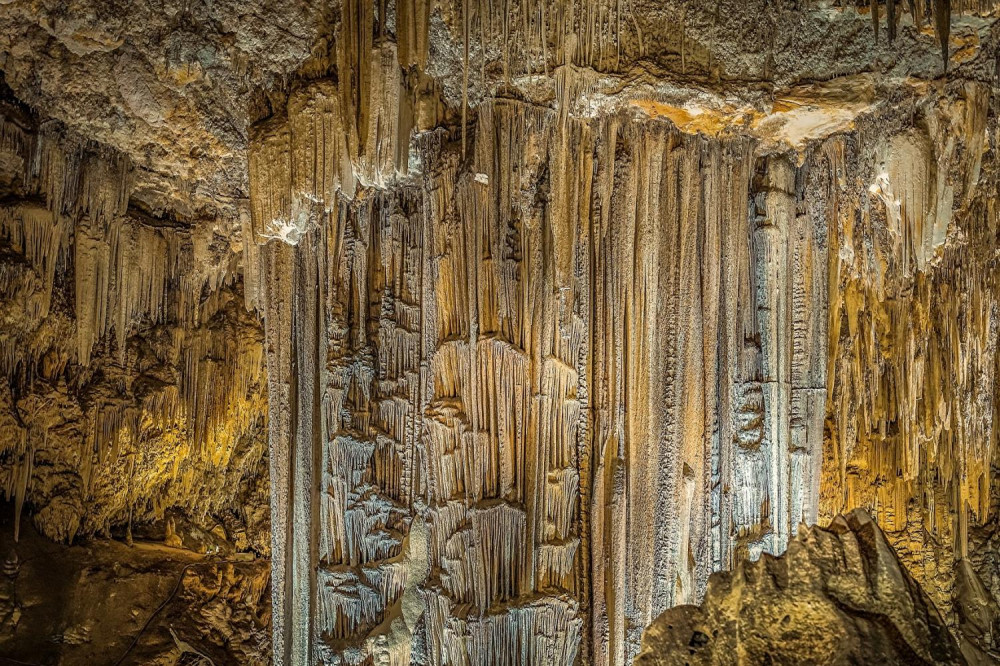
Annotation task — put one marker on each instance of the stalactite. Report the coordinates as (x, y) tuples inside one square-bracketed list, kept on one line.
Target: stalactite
[(537, 34), (912, 336), (597, 356), (353, 382), (100, 296), (915, 14), (942, 27), (43, 239), (413, 30), (942, 16), (385, 149), (17, 481), (458, 320), (875, 17)]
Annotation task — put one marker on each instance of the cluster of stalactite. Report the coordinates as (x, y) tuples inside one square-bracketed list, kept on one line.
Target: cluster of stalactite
[(131, 369), (913, 336), (936, 14), (530, 380), (570, 356), (585, 361), (521, 37)]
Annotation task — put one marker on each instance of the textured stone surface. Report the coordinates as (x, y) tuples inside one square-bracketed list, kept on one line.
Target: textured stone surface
[(546, 310), (171, 85), (102, 602), (839, 595)]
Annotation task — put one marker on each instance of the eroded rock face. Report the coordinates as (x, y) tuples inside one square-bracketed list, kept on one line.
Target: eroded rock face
[(839, 595)]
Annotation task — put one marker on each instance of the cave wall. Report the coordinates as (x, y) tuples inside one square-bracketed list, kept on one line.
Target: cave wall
[(519, 319), (597, 357)]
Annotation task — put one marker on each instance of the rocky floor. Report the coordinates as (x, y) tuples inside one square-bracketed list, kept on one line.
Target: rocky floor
[(104, 602)]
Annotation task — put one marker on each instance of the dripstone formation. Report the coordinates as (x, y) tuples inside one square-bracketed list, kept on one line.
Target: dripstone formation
[(494, 329)]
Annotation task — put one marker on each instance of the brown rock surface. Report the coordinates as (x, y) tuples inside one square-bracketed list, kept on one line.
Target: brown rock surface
[(101, 603), (839, 595)]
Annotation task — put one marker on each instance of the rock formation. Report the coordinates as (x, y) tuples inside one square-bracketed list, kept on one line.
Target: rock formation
[(134, 378), (837, 596), (499, 327), (144, 605)]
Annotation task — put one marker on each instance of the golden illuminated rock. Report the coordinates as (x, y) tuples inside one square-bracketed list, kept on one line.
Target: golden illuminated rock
[(839, 595)]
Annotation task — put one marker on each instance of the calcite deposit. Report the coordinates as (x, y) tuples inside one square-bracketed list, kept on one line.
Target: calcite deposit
[(496, 328)]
